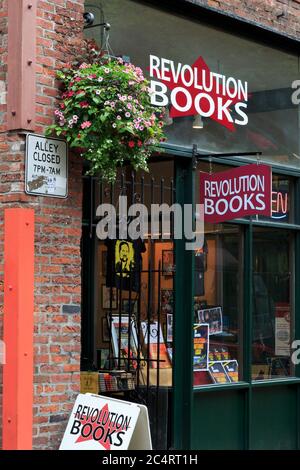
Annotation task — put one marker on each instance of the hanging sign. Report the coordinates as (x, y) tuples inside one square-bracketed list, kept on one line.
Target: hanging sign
[(102, 423), (236, 193), (46, 167)]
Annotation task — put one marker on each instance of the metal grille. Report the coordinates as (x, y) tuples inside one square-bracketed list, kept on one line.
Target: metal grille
[(139, 363)]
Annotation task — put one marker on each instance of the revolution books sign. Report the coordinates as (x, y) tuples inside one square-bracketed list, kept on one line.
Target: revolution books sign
[(235, 193), (196, 90), (102, 423)]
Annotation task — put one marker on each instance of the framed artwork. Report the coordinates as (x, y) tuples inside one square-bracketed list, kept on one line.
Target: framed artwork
[(105, 330), (152, 334), (167, 262), (214, 317), (166, 301), (109, 297), (120, 328), (126, 305)]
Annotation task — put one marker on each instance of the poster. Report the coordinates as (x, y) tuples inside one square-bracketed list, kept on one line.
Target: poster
[(282, 330), (120, 338), (232, 370), (201, 346), (218, 373), (213, 316), (155, 345)]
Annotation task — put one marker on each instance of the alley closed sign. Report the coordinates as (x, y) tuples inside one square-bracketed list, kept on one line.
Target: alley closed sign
[(235, 193), (104, 423), (46, 170)]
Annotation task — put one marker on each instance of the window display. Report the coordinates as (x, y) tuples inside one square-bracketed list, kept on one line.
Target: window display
[(221, 305), (272, 308)]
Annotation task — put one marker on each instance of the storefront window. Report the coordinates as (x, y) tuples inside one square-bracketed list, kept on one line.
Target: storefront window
[(282, 200), (272, 304), (272, 123), (218, 307)]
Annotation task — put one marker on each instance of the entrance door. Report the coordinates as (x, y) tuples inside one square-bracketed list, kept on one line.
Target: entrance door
[(128, 293)]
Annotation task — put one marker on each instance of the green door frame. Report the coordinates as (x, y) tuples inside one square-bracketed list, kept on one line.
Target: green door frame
[(184, 294), (184, 315)]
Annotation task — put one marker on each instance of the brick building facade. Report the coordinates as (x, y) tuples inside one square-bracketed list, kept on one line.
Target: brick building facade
[(57, 320)]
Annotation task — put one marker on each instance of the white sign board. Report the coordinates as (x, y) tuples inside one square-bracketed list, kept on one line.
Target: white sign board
[(282, 337), (102, 423), (46, 169)]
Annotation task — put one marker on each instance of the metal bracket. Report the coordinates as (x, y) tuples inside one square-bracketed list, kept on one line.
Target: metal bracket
[(106, 26)]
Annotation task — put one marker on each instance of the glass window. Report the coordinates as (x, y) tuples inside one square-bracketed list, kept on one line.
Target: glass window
[(282, 200), (218, 306), (272, 304), (138, 31)]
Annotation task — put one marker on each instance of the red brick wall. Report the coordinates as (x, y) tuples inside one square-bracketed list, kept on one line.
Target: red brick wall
[(57, 230), (264, 12)]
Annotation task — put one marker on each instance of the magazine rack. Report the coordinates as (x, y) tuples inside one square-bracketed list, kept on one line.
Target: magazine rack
[(116, 381)]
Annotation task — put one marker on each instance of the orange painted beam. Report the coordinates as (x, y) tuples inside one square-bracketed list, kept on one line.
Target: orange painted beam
[(18, 328)]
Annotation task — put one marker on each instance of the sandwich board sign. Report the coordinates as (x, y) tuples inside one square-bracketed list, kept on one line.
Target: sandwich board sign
[(102, 423)]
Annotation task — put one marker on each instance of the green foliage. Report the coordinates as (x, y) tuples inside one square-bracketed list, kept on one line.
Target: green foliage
[(106, 111)]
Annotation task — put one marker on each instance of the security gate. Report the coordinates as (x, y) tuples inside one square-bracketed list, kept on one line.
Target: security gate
[(128, 307)]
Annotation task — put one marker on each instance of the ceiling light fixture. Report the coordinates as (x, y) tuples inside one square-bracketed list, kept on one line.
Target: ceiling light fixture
[(198, 123)]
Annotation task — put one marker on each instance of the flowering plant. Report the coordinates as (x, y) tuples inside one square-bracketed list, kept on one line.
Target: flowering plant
[(107, 112)]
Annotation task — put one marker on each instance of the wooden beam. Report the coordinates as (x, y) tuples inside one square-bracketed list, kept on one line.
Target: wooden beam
[(21, 92), (18, 328)]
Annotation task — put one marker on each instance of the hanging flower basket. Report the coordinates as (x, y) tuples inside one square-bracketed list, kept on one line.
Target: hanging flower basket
[(106, 112)]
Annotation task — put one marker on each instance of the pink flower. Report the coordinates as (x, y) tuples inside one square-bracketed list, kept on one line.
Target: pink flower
[(119, 118), (84, 66), (127, 114), (78, 79), (140, 143), (131, 144), (84, 104), (86, 125)]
